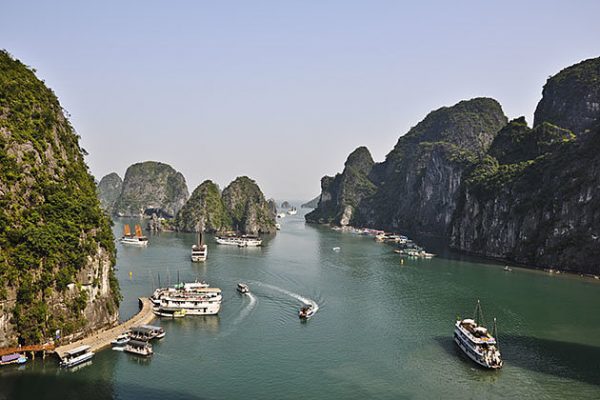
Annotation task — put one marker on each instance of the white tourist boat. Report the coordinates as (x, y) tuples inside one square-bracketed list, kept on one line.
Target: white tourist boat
[(191, 305), (476, 342), (76, 356), (243, 288), (292, 211), (139, 347), (199, 250), (240, 241), (135, 240), (281, 215), (183, 288)]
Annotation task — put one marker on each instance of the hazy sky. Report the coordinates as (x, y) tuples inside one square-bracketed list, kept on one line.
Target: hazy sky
[(283, 91)]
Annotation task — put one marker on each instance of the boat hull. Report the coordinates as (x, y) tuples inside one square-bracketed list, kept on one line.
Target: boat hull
[(473, 356)]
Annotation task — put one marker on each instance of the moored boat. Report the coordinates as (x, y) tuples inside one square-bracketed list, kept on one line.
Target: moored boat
[(120, 341), (476, 342), (15, 358), (76, 356), (139, 347), (292, 211), (146, 332)]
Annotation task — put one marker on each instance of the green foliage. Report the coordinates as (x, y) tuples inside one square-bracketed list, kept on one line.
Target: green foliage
[(50, 220)]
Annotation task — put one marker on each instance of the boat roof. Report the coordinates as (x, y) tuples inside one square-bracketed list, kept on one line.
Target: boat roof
[(76, 350), (142, 329), (138, 343), (153, 327), (11, 357)]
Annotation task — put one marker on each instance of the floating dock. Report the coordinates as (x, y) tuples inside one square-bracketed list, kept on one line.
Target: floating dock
[(102, 339)]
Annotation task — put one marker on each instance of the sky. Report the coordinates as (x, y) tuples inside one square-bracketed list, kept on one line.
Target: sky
[(282, 91)]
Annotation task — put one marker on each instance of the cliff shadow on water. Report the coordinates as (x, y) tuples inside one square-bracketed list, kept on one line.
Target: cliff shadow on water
[(551, 357)]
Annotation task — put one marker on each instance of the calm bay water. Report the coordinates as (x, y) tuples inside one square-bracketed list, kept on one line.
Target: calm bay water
[(383, 329)]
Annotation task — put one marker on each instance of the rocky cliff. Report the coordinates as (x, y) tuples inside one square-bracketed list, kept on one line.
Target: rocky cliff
[(417, 186), (535, 198), (314, 203), (56, 244), (204, 211), (571, 99), (109, 190), (152, 187), (342, 194), (246, 204), (508, 191)]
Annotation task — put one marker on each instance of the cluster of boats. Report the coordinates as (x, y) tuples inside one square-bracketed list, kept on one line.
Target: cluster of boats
[(137, 340), (195, 298), (291, 211)]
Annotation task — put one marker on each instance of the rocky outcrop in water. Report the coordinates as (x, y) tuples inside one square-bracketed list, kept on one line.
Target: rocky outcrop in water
[(150, 188), (417, 186), (535, 198), (508, 191), (204, 211), (246, 204), (341, 195), (56, 244), (286, 205), (109, 190)]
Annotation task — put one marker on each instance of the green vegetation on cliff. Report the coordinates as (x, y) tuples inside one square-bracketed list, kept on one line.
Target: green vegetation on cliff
[(246, 205), (51, 224), (152, 187), (204, 211)]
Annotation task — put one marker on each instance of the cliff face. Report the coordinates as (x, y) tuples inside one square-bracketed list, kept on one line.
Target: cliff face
[(246, 204), (204, 211), (528, 195), (109, 190), (341, 195), (535, 198), (416, 188), (152, 187), (56, 244), (571, 99), (314, 203)]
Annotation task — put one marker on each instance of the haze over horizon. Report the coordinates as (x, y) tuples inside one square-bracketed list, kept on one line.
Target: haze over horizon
[(283, 91)]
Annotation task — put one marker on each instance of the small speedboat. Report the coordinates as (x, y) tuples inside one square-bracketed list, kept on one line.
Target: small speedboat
[(243, 288), (120, 340), (306, 312), (507, 268)]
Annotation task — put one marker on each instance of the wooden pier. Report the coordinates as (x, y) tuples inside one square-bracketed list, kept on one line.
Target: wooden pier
[(102, 339), (36, 348)]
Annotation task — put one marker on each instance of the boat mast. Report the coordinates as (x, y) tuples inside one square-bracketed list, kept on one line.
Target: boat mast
[(495, 334), (478, 314)]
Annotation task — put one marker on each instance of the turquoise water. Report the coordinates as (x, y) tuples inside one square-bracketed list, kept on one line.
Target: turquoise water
[(383, 329)]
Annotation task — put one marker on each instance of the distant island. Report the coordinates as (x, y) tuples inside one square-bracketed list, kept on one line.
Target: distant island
[(156, 189), (491, 187)]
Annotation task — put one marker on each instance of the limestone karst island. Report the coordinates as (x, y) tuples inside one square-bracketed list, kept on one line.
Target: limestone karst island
[(299, 201)]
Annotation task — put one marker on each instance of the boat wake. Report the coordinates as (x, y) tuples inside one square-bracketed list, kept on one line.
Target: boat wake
[(246, 310), (304, 300)]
